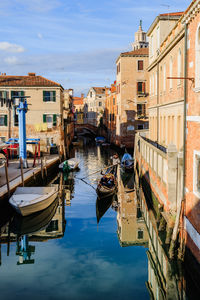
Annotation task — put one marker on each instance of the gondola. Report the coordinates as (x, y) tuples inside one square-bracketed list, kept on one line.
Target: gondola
[(127, 162), (107, 185)]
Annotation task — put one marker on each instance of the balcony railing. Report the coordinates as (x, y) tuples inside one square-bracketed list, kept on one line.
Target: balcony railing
[(155, 144)]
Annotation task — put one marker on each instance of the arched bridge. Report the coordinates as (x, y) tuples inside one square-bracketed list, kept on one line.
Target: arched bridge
[(85, 129)]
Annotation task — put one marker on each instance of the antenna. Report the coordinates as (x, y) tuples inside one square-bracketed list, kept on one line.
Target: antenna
[(168, 7)]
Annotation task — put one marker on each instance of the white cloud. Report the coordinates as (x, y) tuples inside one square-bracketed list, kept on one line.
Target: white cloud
[(12, 60), (40, 36), (5, 46)]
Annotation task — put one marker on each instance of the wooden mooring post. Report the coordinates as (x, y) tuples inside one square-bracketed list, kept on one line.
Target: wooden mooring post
[(22, 171), (7, 179)]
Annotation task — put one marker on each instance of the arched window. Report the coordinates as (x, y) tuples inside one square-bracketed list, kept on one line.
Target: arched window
[(197, 58), (164, 77), (179, 66), (170, 72)]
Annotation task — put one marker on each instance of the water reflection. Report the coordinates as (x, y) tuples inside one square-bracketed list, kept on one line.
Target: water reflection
[(131, 226), (77, 261)]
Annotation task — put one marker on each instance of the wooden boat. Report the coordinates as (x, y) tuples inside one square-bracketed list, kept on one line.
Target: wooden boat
[(127, 162), (107, 185), (28, 200), (29, 224), (100, 140), (72, 163)]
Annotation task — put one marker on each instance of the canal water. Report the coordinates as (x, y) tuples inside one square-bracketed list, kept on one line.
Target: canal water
[(81, 248)]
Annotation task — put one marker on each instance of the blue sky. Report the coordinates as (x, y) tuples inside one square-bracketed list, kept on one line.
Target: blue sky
[(75, 43)]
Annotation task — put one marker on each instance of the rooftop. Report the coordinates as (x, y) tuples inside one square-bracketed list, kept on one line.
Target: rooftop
[(31, 80)]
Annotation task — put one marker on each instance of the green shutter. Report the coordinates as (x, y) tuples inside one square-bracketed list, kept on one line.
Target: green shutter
[(54, 120), (44, 118), (22, 93), (54, 96), (5, 120), (12, 92), (44, 100)]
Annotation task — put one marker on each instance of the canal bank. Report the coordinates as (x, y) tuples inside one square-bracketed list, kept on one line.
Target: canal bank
[(75, 255), (44, 168)]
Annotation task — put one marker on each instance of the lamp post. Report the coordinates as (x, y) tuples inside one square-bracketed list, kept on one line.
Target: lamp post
[(22, 109)]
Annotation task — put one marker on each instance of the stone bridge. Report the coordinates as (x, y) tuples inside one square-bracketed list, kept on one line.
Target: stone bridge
[(85, 129)]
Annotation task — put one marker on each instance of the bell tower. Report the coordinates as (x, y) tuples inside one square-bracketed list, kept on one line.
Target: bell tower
[(140, 39)]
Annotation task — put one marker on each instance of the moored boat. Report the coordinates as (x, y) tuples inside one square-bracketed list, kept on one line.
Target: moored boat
[(107, 185), (69, 165), (29, 224), (127, 162), (100, 140), (28, 200)]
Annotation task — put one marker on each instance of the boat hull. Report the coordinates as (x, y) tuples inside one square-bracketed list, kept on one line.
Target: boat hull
[(28, 207), (103, 191)]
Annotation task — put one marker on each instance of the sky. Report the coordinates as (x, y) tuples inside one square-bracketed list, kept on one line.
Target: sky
[(76, 42)]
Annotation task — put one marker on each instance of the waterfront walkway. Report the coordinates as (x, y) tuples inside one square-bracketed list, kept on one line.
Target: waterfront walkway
[(14, 173)]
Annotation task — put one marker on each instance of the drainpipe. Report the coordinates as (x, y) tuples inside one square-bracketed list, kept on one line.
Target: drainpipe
[(158, 112), (185, 114), (175, 231)]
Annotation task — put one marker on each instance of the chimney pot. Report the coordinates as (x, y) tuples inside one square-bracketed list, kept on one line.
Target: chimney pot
[(31, 74)]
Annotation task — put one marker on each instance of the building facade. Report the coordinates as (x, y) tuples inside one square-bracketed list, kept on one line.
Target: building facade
[(78, 109), (132, 87), (110, 113), (94, 105), (44, 118), (191, 22)]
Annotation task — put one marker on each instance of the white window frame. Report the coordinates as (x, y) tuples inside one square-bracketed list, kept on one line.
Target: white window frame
[(197, 59), (196, 158)]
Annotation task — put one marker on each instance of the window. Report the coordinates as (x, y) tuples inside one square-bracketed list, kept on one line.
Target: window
[(141, 110), (179, 66), (158, 37), (100, 103), (14, 95), (140, 88), (90, 94), (113, 101), (50, 119), (170, 72), (140, 127), (140, 234), (164, 77), (196, 171), (197, 58), (140, 65), (3, 120), (151, 46), (49, 96)]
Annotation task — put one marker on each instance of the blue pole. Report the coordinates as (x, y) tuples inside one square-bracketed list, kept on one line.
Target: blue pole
[(22, 109)]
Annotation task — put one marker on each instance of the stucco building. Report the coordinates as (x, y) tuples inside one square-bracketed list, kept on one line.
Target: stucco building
[(94, 105), (132, 86), (44, 118), (110, 113), (191, 21), (78, 109)]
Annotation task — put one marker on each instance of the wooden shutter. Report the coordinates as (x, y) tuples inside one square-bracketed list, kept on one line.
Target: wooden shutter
[(143, 87), (5, 120), (54, 120), (44, 118), (44, 92), (140, 65), (54, 96)]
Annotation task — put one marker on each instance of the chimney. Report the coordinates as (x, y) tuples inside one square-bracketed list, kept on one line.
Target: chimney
[(82, 95), (31, 74)]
